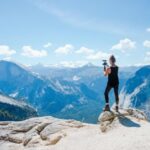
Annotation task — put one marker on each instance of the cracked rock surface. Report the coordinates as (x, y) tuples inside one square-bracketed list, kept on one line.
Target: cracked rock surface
[(126, 130), (34, 132)]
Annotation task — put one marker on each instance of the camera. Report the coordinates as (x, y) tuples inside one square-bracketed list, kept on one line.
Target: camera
[(105, 63)]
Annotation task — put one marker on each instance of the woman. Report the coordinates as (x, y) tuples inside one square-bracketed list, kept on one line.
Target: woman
[(113, 82)]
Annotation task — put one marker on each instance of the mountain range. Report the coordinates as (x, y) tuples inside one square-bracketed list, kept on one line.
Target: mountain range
[(58, 98), (63, 92)]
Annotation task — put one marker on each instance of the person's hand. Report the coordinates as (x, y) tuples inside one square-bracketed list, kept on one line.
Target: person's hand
[(104, 68), (107, 71)]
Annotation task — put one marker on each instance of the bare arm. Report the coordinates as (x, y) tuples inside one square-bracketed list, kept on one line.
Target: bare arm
[(107, 71)]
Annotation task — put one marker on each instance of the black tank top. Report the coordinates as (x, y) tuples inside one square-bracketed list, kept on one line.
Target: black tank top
[(113, 79)]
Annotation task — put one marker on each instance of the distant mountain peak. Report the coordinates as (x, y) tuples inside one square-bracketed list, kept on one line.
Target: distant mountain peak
[(89, 65)]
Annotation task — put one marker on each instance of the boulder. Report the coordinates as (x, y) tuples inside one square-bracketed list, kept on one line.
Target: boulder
[(106, 116), (109, 119)]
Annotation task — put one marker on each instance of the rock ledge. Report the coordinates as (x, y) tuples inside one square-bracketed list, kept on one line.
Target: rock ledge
[(107, 119)]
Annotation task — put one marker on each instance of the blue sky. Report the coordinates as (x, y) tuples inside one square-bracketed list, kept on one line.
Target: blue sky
[(74, 32)]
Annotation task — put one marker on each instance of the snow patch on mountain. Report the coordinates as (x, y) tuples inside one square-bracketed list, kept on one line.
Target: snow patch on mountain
[(76, 78), (14, 94), (8, 100), (66, 89), (67, 107), (82, 100)]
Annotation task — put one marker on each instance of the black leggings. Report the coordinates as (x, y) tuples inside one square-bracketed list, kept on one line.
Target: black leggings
[(107, 90)]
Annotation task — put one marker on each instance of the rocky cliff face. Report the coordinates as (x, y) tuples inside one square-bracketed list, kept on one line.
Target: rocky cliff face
[(11, 109), (125, 130), (135, 92)]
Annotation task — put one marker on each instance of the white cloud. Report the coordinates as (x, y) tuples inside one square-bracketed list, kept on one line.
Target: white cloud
[(124, 45), (7, 58), (147, 57), (98, 56), (28, 51), (146, 44), (66, 49), (148, 29), (72, 64), (85, 51), (148, 54), (47, 45), (6, 51), (92, 55)]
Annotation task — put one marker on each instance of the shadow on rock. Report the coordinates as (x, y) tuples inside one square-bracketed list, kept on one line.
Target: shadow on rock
[(127, 122)]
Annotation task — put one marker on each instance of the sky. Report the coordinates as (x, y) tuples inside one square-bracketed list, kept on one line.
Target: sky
[(75, 32)]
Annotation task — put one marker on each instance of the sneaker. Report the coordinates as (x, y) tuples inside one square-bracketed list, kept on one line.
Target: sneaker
[(107, 108), (117, 108)]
